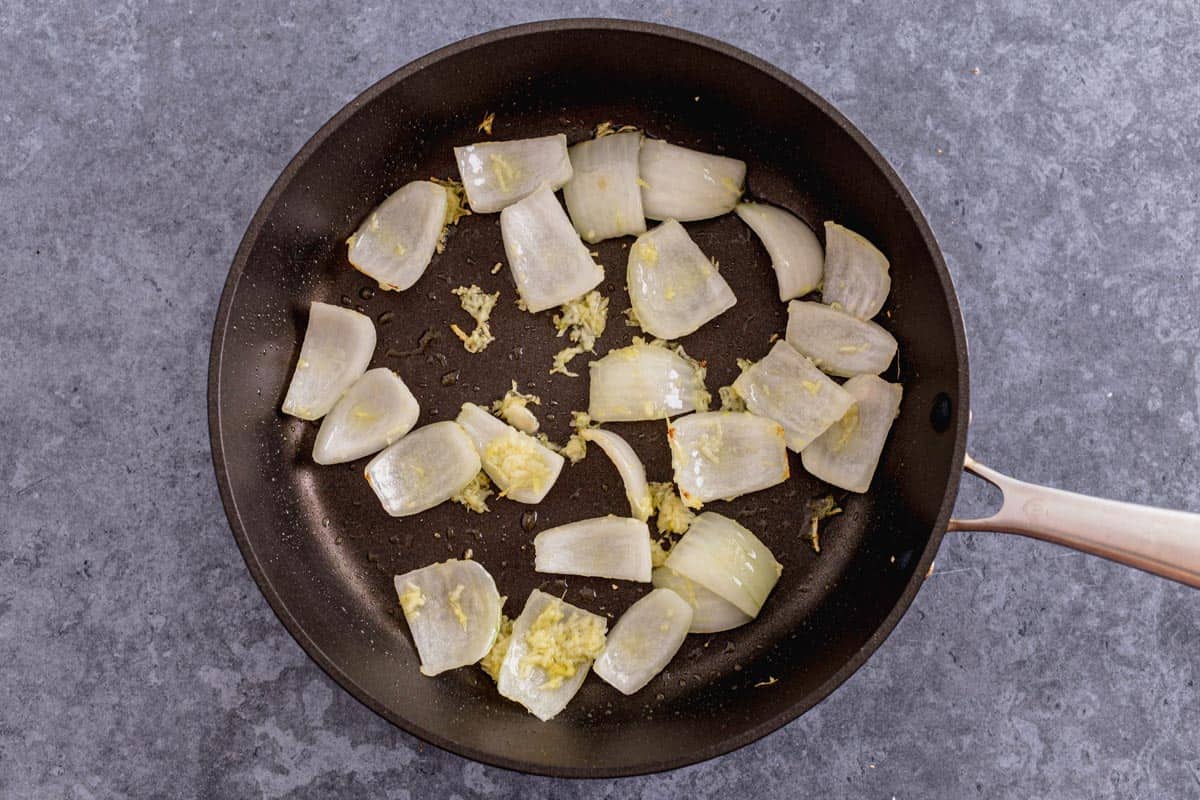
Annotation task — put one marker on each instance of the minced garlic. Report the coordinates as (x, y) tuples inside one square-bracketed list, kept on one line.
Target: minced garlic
[(820, 509), (517, 463), (583, 320), (454, 599), (658, 553), (673, 515), (560, 646), (730, 399), (479, 305), (495, 657), (411, 600), (513, 409), (475, 494)]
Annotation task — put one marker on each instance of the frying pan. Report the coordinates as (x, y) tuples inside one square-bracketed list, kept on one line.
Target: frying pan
[(323, 551)]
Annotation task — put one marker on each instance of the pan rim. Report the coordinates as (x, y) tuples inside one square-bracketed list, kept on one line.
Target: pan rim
[(310, 646)]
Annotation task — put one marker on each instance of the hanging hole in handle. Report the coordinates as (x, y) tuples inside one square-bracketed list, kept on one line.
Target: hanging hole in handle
[(941, 412), (977, 498)]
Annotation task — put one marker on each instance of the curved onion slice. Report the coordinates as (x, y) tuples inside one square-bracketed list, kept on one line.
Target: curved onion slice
[(683, 184), (601, 547), (720, 455), (396, 241), (728, 560), (644, 640), (423, 469), (796, 255), (603, 195), (711, 613), (643, 381), (673, 286), (629, 467), (786, 387), (453, 611), (549, 263), (856, 273), (551, 649), (838, 343), (498, 174), (376, 411), (522, 467), (338, 345), (846, 455)]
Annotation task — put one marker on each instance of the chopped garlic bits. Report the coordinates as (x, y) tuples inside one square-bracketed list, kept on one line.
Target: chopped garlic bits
[(498, 174), (338, 345), (513, 408), (479, 305), (522, 467), (396, 242), (720, 455)]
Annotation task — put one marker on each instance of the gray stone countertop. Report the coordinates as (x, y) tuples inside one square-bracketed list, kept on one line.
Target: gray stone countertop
[(1054, 148)]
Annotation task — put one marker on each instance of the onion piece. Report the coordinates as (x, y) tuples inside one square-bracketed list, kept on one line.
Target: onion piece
[(549, 263), (786, 387), (795, 252), (720, 455), (683, 184), (846, 455), (711, 613), (423, 469), (629, 467), (552, 647), (338, 345), (673, 286), (601, 547), (643, 381), (838, 343), (521, 467), (856, 273), (498, 174), (376, 411), (644, 640), (728, 560), (453, 612), (396, 241), (603, 195)]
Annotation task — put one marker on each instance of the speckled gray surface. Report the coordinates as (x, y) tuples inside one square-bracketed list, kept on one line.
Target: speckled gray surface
[(1053, 147)]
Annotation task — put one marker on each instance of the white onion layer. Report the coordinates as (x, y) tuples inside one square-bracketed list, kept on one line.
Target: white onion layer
[(720, 455), (728, 560), (643, 381), (601, 547), (549, 263), (629, 467), (711, 613), (644, 640), (498, 174), (856, 273), (395, 243), (846, 455), (338, 345), (453, 612), (376, 411), (838, 343), (521, 467), (786, 387), (683, 184), (796, 254), (603, 196), (423, 469)]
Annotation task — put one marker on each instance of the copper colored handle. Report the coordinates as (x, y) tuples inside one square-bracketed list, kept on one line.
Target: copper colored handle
[(1163, 542)]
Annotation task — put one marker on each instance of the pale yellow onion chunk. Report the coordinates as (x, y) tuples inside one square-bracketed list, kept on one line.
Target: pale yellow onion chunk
[(711, 613), (683, 184), (644, 640), (601, 547), (796, 254), (846, 455), (376, 411), (525, 682), (498, 174), (856, 273), (603, 196), (629, 467), (673, 286), (396, 241), (720, 455), (453, 613), (424, 468), (728, 560), (786, 387), (549, 263), (521, 467), (338, 345), (643, 381), (838, 343)]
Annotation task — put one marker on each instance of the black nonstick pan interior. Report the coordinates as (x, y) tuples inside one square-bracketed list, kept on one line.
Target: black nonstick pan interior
[(323, 550)]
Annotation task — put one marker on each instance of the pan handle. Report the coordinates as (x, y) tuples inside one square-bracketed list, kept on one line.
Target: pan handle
[(1156, 540)]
